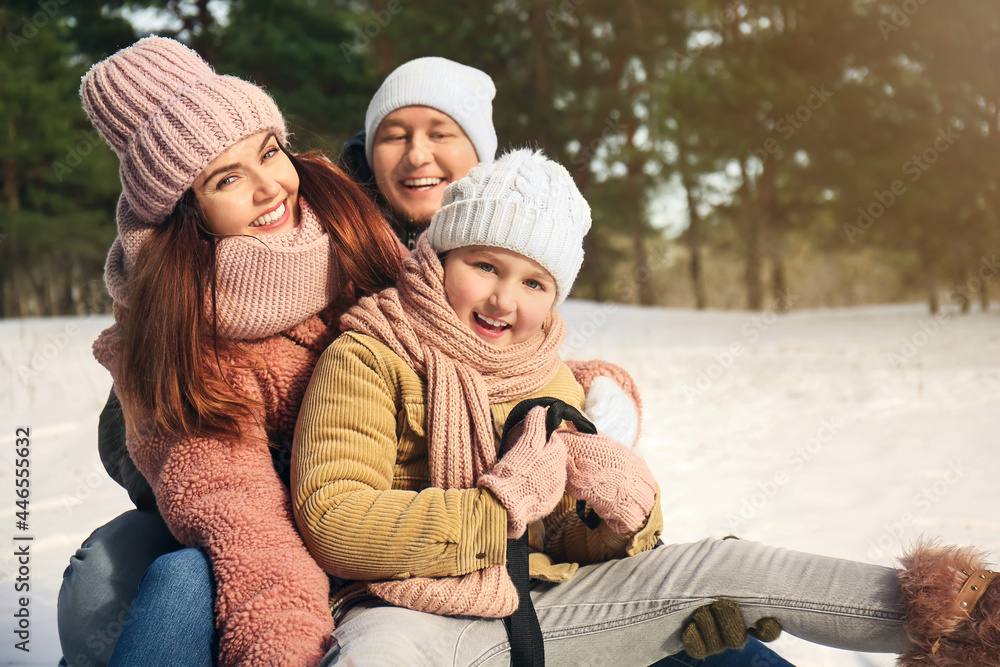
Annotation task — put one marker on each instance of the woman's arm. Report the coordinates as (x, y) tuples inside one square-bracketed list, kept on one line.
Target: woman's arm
[(272, 597), (359, 520)]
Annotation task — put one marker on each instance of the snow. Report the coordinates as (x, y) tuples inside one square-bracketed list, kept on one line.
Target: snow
[(846, 432)]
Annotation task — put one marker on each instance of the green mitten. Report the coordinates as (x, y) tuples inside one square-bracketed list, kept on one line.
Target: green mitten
[(718, 626)]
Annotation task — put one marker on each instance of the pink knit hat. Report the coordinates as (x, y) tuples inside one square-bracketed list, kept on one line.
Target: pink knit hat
[(167, 114)]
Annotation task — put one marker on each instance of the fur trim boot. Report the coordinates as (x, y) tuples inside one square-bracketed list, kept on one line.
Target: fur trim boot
[(952, 608)]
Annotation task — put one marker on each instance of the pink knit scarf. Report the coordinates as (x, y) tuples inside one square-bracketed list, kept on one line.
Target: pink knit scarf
[(266, 285), (464, 375)]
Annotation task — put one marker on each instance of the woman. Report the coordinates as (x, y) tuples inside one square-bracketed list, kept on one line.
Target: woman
[(233, 263)]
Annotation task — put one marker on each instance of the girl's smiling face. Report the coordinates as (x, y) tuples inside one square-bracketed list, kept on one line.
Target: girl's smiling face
[(250, 189), (502, 296)]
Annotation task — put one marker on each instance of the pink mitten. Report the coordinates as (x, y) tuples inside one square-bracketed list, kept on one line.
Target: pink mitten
[(530, 479), (614, 480)]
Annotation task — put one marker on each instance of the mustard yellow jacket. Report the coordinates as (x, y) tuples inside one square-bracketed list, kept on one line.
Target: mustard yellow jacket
[(361, 482)]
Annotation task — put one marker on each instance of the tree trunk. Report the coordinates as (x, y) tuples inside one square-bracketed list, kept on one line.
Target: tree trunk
[(770, 229), (383, 46), (964, 300), (594, 263), (779, 281), (643, 274), (750, 222), (694, 230), (10, 306)]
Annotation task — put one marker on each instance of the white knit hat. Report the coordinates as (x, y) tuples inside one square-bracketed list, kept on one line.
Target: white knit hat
[(523, 202), (464, 93)]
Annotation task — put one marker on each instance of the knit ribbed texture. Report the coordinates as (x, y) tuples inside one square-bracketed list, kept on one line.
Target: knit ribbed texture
[(464, 375), (614, 480), (523, 202), (166, 114), (462, 92), (530, 479), (265, 284)]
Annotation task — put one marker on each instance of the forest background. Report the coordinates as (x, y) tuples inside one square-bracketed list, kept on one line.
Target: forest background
[(735, 154)]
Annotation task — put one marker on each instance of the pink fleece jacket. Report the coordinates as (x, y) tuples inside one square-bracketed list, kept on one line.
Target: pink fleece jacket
[(272, 601)]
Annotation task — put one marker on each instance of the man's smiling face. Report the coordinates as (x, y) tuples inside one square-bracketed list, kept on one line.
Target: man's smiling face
[(418, 151)]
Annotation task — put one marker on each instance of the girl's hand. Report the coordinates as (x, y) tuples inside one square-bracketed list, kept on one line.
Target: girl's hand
[(530, 479), (614, 480)]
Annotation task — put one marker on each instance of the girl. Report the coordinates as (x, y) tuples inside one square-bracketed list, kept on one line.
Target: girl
[(233, 262), (396, 482)]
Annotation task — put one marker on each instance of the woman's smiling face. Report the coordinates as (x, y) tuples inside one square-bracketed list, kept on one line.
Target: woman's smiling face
[(250, 189)]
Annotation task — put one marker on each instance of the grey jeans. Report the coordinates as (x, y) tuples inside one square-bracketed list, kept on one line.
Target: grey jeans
[(631, 611)]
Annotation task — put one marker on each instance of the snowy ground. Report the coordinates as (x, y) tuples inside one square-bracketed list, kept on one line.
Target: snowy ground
[(843, 432)]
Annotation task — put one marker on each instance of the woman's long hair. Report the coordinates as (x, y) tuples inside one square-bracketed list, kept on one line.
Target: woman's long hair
[(171, 363), (367, 250)]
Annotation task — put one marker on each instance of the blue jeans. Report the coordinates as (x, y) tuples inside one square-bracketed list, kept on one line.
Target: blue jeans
[(631, 611), (171, 621), (100, 583), (96, 609), (754, 653)]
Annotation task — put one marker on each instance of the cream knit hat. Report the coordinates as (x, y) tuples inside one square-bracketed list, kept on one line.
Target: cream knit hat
[(166, 114), (523, 202), (464, 93)]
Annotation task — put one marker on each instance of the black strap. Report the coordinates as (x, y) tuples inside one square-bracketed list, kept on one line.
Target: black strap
[(527, 648), (526, 645)]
